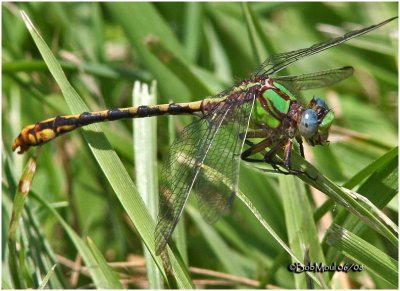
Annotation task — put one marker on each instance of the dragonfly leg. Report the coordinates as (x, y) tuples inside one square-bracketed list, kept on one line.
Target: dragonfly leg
[(288, 154), (269, 158), (254, 149), (288, 147), (253, 134)]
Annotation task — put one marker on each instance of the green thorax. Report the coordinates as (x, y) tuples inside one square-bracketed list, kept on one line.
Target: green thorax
[(272, 106)]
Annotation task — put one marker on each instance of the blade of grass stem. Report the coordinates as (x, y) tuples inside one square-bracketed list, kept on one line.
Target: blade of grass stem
[(364, 253), (145, 153)]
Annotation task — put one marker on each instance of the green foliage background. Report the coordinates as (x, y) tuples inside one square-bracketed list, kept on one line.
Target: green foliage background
[(102, 48)]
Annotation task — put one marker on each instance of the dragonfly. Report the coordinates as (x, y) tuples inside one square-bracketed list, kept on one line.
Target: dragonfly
[(263, 112)]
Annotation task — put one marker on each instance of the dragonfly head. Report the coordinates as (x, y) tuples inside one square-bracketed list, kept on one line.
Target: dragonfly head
[(315, 122)]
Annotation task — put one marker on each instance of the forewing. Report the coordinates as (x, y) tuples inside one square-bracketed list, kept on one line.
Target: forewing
[(182, 167), (315, 80), (217, 182), (278, 62)]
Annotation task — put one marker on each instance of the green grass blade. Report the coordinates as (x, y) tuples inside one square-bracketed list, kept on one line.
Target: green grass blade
[(107, 159), (364, 253), (341, 196), (178, 66), (21, 194), (15, 264), (372, 168), (222, 66), (352, 202), (94, 69), (344, 198), (109, 276), (5, 285), (25, 185), (192, 36), (255, 41), (383, 181), (145, 152), (40, 257), (139, 21), (47, 278), (272, 232), (302, 232), (221, 250), (236, 46), (387, 161), (86, 253)]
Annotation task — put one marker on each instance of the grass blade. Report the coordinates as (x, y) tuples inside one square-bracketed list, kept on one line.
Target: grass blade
[(271, 231), (178, 66), (17, 267), (47, 277), (221, 250), (90, 260), (364, 253), (253, 31), (145, 153), (372, 168), (111, 279), (107, 159), (342, 197), (300, 226)]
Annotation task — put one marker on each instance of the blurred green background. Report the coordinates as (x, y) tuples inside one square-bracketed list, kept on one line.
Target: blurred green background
[(103, 48)]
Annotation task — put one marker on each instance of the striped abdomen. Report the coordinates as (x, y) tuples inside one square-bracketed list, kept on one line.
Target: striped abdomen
[(44, 131)]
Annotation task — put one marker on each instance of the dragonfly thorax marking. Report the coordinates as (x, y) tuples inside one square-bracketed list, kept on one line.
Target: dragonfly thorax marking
[(273, 103)]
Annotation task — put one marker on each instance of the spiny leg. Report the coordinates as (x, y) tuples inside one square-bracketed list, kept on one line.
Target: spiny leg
[(269, 158), (288, 154), (288, 147), (254, 149)]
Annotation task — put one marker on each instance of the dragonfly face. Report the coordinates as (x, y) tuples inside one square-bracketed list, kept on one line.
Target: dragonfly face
[(279, 113), (315, 122)]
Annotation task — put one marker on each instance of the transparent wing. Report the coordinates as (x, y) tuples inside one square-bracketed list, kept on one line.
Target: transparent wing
[(278, 62), (315, 80), (217, 181), (184, 164)]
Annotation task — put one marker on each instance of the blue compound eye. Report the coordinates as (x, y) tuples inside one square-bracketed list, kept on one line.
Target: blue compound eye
[(309, 123)]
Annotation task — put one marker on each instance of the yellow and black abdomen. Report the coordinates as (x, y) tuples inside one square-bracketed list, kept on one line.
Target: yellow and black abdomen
[(45, 131)]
